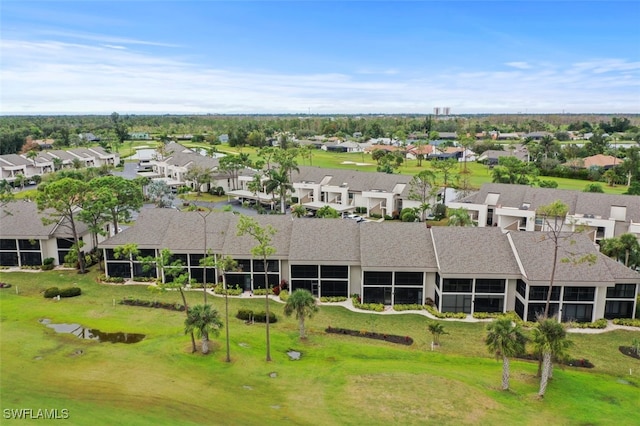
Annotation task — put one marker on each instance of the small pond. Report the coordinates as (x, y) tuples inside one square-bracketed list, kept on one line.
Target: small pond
[(92, 333)]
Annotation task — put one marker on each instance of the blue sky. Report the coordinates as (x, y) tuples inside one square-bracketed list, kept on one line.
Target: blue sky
[(321, 57)]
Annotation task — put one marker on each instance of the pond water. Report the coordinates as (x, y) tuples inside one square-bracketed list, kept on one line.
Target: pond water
[(92, 333)]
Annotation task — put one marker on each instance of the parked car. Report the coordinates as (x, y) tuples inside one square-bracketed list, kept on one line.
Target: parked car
[(355, 217)]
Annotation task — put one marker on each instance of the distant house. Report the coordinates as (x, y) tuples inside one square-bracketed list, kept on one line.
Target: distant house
[(357, 134), (490, 157), (89, 137), (599, 160), (223, 138), (536, 136)]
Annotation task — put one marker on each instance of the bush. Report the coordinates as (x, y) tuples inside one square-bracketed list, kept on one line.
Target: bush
[(600, 324), (145, 279), (627, 321), (262, 291), (51, 292), (545, 183), (47, 264), (433, 311), (150, 304), (376, 307), (104, 279), (219, 289), (284, 295), (440, 211), (70, 292), (410, 307), (334, 299), (249, 315)]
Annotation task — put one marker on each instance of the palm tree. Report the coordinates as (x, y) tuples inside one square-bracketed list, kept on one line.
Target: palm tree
[(436, 329), (279, 182), (505, 339), (203, 320), (460, 217), (550, 340), (298, 211), (303, 304)]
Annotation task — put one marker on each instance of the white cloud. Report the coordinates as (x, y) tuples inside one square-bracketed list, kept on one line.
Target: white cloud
[(56, 77), (519, 65)]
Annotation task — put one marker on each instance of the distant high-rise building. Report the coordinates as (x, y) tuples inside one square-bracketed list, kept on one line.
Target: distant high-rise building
[(436, 111), (446, 110)]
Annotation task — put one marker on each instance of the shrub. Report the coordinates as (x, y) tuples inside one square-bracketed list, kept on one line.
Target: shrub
[(51, 292), (410, 307), (627, 321), (376, 307), (47, 264), (546, 183), (70, 292), (333, 299), (433, 311), (219, 289), (244, 314), (600, 324), (104, 279), (150, 304), (440, 211), (261, 291), (284, 295), (249, 315)]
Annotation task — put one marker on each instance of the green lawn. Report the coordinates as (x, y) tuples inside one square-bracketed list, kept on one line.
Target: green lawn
[(339, 380)]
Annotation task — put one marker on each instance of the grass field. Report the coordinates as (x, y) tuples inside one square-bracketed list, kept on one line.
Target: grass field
[(339, 380)]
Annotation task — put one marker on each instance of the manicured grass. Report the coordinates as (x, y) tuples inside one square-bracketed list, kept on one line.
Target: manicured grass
[(339, 380)]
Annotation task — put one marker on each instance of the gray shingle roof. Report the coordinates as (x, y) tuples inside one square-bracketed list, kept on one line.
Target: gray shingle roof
[(356, 180), (396, 244), (535, 249), (477, 251), (21, 220), (578, 202), (325, 240)]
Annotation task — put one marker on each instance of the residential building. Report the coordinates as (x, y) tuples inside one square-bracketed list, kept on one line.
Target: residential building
[(459, 269), (26, 241), (513, 207)]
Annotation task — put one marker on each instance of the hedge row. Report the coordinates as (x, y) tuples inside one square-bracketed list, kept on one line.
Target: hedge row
[(52, 292), (249, 315)]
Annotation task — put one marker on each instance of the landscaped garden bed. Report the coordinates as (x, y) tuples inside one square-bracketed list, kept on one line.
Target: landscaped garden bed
[(580, 362), (629, 351), (152, 304), (402, 340)]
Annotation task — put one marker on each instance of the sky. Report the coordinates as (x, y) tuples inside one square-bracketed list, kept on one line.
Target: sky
[(324, 57)]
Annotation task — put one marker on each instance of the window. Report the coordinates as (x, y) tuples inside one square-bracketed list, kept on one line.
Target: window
[(272, 265), (489, 286), (141, 270), (456, 285), (622, 291), (327, 271), (408, 296), (540, 293), (333, 288), (304, 271), (437, 280), (489, 304), (375, 295), (29, 244), (521, 288), (409, 279), (64, 243), (584, 294), (30, 258), (6, 244), (577, 312), (181, 257), (9, 259), (194, 259), (377, 278), (456, 303), (536, 309), (244, 265), (519, 308), (618, 309), (118, 270), (258, 280), (146, 253)]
